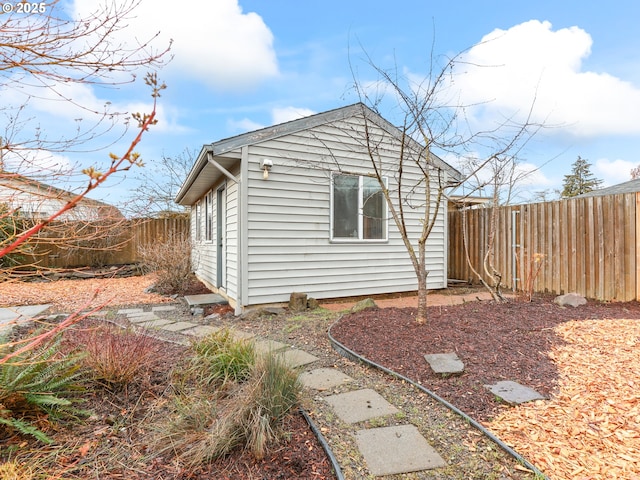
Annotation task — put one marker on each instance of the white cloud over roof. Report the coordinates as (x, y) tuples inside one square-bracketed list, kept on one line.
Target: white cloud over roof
[(214, 42), (511, 69)]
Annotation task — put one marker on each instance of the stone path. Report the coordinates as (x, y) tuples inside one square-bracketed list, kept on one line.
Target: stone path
[(388, 450)]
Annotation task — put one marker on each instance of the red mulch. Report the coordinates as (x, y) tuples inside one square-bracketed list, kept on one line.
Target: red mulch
[(509, 341)]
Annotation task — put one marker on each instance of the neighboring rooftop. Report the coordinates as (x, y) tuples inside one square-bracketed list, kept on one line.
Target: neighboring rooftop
[(632, 186)]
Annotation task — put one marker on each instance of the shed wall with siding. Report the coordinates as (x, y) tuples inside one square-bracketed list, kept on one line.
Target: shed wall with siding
[(288, 238)]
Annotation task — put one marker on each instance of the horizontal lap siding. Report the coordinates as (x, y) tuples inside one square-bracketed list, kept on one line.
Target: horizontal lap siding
[(289, 223), (231, 241)]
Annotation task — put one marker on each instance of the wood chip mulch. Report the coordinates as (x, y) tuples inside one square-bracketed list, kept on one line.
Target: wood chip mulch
[(591, 428), (585, 360), (68, 296)]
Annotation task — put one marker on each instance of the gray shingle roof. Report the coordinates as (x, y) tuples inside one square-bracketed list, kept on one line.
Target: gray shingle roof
[(631, 186)]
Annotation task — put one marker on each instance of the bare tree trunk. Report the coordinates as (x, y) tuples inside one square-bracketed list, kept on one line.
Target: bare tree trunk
[(421, 316)]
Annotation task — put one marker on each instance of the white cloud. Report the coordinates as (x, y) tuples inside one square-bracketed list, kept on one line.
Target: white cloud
[(214, 42), (37, 162), (278, 115), (510, 69), (244, 125), (286, 114), (612, 172)]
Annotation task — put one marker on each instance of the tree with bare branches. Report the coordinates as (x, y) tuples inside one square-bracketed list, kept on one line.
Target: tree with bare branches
[(431, 121), (50, 55)]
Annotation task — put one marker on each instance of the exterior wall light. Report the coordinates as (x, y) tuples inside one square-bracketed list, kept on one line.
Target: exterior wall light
[(265, 165)]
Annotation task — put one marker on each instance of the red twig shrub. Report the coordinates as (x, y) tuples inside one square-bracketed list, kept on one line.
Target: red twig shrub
[(117, 357)]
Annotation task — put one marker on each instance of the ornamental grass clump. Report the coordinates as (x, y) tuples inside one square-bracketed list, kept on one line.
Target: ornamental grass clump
[(238, 400), (38, 383), (221, 358)]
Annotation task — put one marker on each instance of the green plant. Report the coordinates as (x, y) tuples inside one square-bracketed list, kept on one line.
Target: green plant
[(40, 380), (116, 356), (171, 260), (251, 417), (220, 358)]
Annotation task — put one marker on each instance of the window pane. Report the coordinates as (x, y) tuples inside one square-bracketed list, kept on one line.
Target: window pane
[(373, 210), (345, 206)]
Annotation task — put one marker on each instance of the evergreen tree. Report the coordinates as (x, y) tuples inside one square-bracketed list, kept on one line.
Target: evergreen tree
[(581, 180)]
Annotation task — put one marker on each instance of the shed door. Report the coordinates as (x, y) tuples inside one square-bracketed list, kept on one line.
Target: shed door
[(221, 215)]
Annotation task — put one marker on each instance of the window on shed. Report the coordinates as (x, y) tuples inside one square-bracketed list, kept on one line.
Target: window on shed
[(208, 216), (359, 210), (198, 220)]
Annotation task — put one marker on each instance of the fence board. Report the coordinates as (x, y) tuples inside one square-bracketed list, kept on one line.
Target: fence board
[(590, 245), (116, 246)]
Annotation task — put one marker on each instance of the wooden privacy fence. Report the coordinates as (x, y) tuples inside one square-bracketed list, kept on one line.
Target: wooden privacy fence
[(79, 244), (586, 245)]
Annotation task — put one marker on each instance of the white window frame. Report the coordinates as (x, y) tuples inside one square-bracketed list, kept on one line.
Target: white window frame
[(359, 239), (208, 216), (198, 220)]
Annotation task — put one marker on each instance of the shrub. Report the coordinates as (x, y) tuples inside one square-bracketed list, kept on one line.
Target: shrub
[(116, 356), (252, 417), (220, 358), (171, 261), (39, 380), (259, 392)]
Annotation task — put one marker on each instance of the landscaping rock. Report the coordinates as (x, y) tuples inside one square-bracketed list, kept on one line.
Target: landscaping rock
[(298, 302), (363, 305), (274, 311), (312, 304), (570, 299)]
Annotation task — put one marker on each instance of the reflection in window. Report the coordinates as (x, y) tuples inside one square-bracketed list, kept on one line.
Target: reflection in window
[(359, 208)]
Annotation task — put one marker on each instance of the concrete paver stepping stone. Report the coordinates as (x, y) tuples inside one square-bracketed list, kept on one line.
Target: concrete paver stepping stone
[(445, 363), (163, 308), (241, 335), (513, 392), (11, 316), (143, 317), (128, 311), (202, 330), (297, 358), (266, 346), (394, 450), (204, 299), (178, 326), (324, 378), (158, 323), (360, 405)]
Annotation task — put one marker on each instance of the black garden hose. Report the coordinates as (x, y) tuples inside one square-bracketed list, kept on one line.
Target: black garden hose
[(351, 355)]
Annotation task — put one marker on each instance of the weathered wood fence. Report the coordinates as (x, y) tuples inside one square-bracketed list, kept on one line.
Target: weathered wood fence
[(79, 244), (586, 245)]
